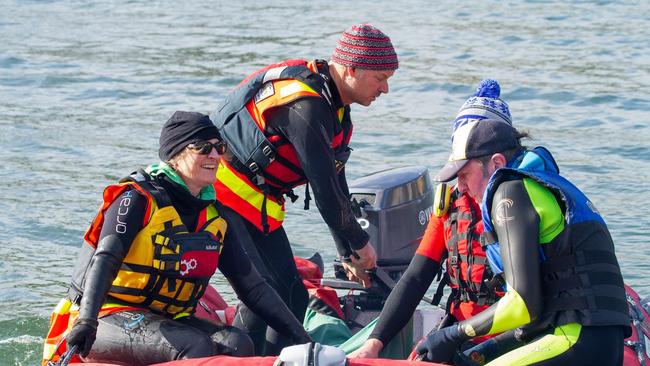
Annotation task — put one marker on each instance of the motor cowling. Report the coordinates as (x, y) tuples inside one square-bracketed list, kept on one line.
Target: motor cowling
[(394, 207)]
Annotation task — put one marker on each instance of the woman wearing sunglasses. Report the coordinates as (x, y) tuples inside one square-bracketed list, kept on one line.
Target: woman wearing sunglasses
[(149, 255)]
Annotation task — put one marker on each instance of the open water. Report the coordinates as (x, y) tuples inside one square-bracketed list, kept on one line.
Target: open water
[(86, 85)]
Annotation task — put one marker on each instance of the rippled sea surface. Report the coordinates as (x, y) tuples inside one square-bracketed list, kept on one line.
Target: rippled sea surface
[(86, 85)]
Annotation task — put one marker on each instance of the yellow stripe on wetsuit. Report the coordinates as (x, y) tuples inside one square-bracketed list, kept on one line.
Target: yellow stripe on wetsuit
[(547, 347)]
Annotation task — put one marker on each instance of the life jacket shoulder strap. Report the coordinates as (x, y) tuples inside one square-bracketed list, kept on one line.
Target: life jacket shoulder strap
[(233, 120), (148, 184)]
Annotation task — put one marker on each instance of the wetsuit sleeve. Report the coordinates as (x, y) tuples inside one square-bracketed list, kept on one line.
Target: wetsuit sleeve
[(343, 247), (256, 293), (417, 278), (122, 221), (404, 298), (516, 224), (308, 124)]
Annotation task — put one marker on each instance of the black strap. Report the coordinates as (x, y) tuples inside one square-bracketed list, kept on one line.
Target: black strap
[(582, 280), (289, 165), (471, 259), (580, 258), (310, 354), (496, 282), (488, 237), (586, 302), (265, 222), (307, 196), (439, 291), (150, 185)]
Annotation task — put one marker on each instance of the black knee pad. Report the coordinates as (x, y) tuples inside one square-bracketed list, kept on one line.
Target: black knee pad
[(201, 346), (243, 345), (233, 342)]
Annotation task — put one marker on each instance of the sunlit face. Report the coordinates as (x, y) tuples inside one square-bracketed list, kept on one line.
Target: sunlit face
[(197, 170), (473, 179), (364, 86)]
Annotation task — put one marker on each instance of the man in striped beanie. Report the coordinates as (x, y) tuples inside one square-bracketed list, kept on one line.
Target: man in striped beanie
[(363, 54), (286, 125)]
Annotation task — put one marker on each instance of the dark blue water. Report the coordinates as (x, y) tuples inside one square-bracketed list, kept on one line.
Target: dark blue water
[(86, 85)]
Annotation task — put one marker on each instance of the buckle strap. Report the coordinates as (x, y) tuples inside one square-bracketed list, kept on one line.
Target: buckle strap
[(579, 258), (488, 238), (583, 280), (439, 291), (586, 303)]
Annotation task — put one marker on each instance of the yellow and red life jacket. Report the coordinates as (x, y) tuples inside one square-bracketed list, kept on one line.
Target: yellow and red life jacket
[(167, 268), (265, 165)]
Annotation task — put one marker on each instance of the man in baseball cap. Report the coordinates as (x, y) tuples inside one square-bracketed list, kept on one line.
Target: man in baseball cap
[(479, 139), (564, 288)]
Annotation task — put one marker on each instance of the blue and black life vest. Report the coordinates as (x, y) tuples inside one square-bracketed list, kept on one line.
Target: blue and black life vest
[(582, 280)]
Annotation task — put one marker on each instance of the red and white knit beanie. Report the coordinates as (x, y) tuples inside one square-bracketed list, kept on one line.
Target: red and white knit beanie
[(365, 47)]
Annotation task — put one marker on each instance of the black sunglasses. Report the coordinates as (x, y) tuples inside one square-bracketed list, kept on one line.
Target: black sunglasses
[(204, 147)]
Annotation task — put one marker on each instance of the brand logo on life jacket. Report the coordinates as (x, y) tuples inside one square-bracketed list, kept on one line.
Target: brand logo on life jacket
[(212, 247), (425, 215), (502, 216), (264, 92), (187, 265)]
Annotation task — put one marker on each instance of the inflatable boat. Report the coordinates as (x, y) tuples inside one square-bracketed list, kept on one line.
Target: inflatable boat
[(394, 207)]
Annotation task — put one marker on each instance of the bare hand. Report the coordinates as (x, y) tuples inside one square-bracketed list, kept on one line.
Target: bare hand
[(355, 272), (370, 349), (367, 257), (356, 268)]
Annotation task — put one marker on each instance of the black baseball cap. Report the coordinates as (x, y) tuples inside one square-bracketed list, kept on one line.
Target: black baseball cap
[(474, 140)]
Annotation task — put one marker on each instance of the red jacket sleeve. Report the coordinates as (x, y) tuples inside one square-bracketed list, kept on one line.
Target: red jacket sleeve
[(433, 242)]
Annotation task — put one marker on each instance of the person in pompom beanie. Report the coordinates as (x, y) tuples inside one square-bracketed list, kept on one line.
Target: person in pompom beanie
[(453, 232), (287, 125)]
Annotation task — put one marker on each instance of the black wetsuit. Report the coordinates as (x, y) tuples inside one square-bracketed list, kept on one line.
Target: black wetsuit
[(532, 213), (144, 337), (309, 125)]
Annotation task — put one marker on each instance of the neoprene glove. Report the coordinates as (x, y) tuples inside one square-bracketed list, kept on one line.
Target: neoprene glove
[(440, 346), (82, 335)]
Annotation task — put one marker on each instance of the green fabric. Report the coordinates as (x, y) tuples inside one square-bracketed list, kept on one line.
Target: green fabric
[(332, 331), (326, 329), (542, 349), (206, 194), (551, 219)]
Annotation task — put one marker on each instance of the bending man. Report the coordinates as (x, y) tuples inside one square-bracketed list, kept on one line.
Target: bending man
[(289, 124), (453, 233)]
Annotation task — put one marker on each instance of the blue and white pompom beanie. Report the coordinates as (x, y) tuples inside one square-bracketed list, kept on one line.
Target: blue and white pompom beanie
[(484, 104)]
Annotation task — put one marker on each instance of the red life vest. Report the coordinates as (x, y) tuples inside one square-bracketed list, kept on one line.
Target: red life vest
[(466, 262), (254, 181)]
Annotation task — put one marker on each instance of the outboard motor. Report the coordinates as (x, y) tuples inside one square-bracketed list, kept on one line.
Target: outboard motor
[(393, 206), (394, 209)]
